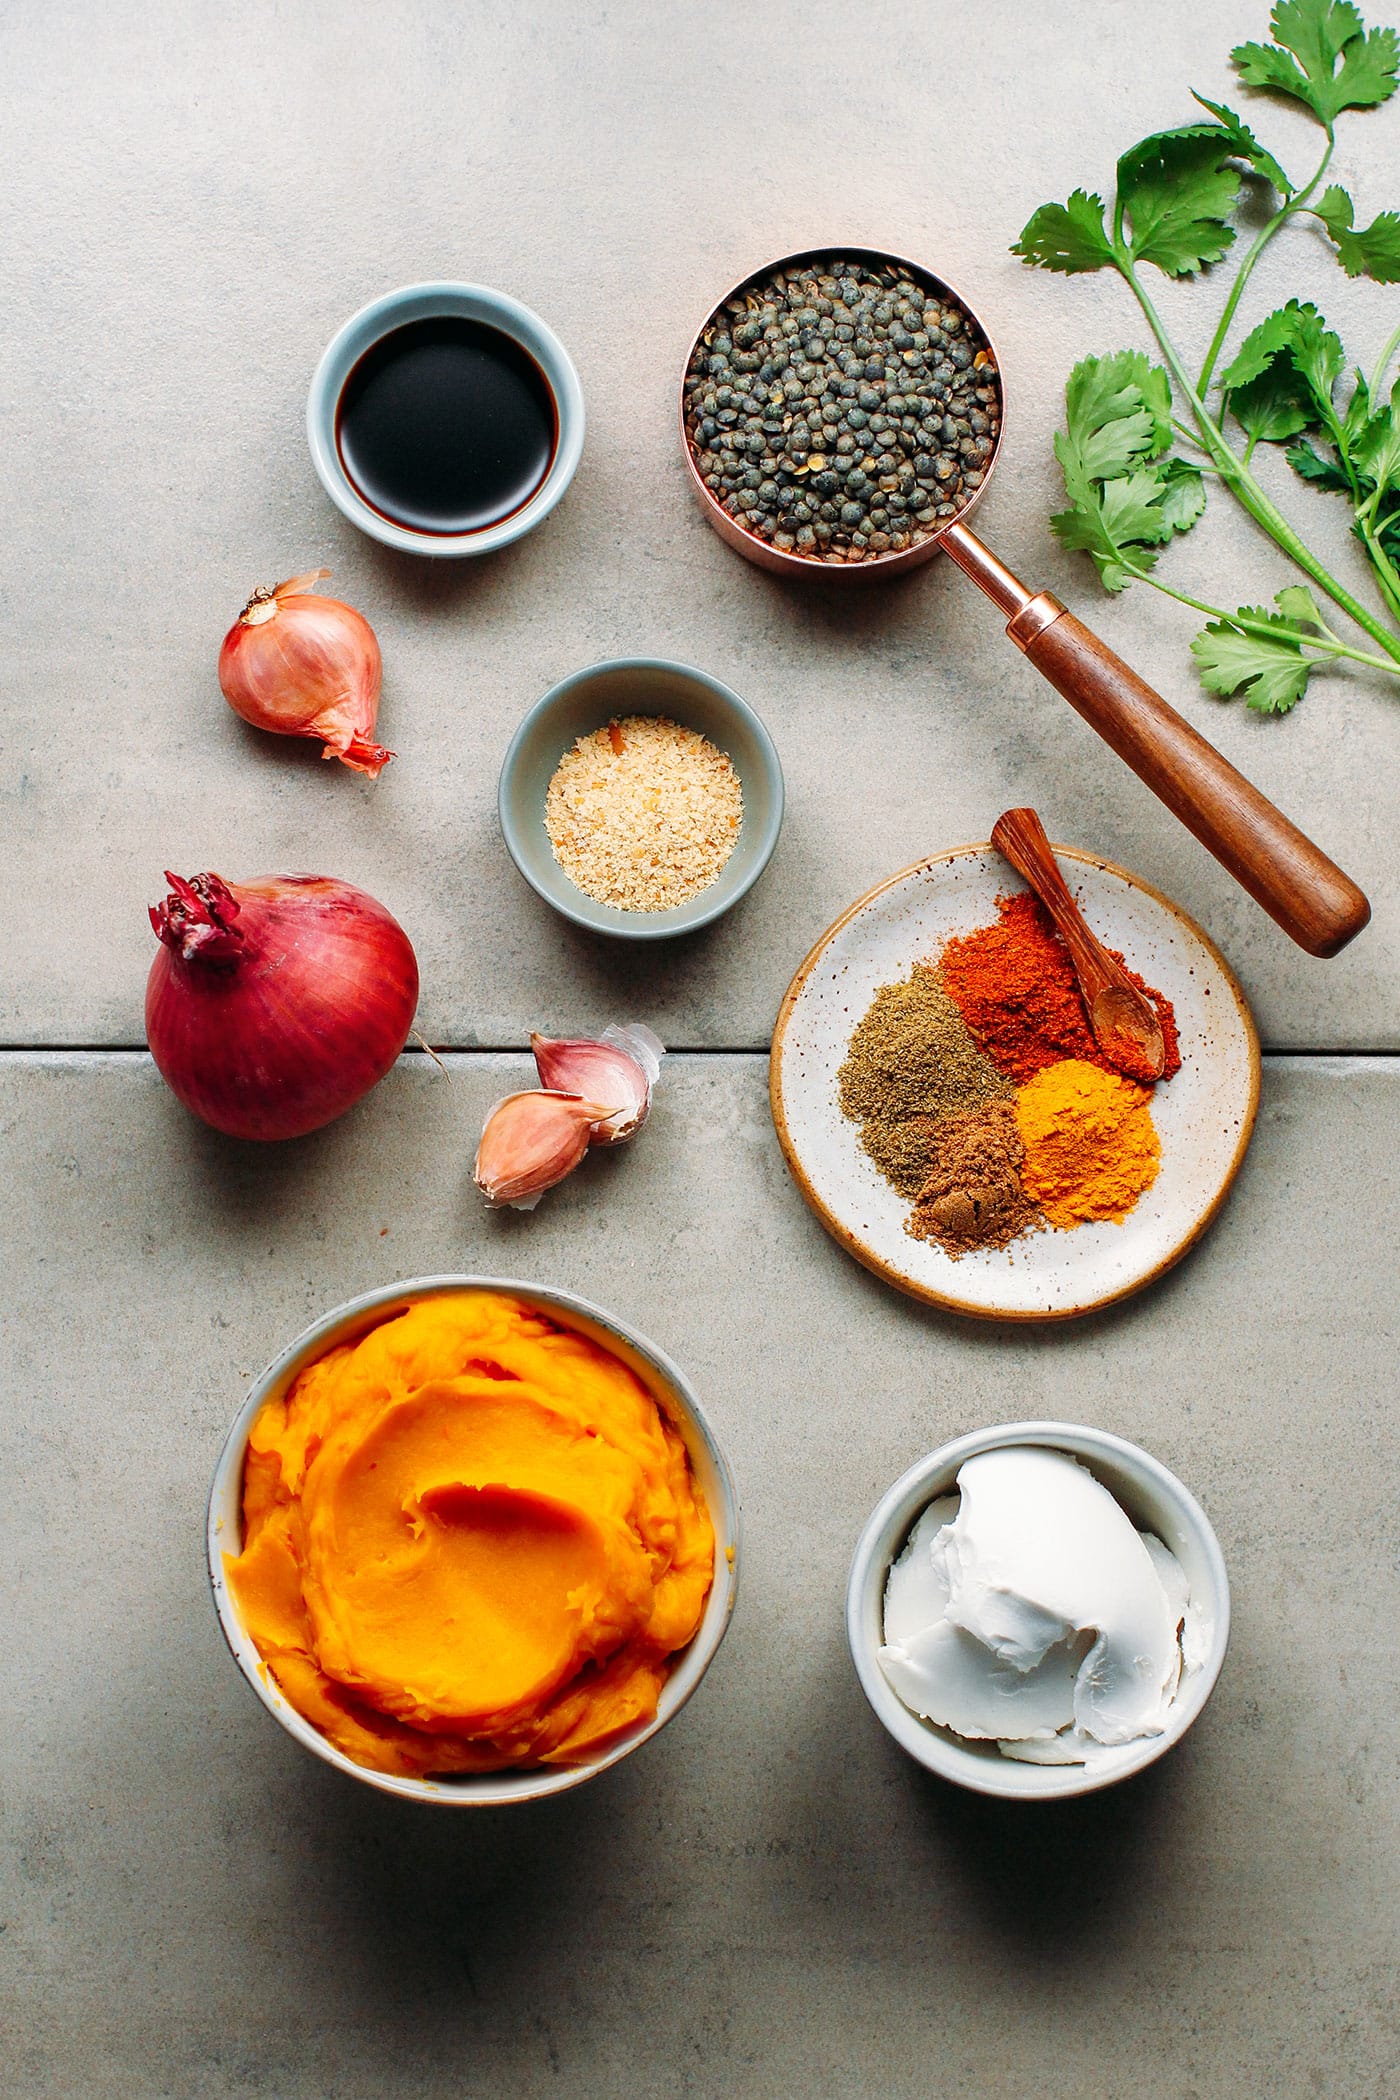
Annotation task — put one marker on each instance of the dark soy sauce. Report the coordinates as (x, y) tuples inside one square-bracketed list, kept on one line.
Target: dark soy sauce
[(446, 425)]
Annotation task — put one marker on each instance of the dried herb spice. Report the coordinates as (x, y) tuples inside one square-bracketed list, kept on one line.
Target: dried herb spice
[(983, 1098), (911, 1063)]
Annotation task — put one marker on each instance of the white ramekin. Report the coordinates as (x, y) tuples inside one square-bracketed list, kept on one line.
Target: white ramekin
[(1155, 1500)]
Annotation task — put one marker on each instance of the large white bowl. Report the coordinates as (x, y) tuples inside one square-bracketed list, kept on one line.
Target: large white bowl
[(673, 1395), (1155, 1500)]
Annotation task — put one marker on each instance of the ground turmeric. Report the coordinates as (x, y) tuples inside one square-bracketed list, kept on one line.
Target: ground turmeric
[(1091, 1145)]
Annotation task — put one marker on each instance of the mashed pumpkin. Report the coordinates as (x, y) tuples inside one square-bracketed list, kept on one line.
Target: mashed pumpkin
[(470, 1540)]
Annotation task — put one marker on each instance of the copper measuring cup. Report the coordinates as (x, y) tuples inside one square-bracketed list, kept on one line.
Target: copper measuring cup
[(1314, 902)]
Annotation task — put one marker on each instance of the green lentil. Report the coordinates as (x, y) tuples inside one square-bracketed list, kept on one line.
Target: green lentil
[(899, 389)]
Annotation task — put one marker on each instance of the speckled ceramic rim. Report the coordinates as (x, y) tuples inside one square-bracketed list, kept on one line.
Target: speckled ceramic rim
[(760, 551), (1161, 1504), (725, 891), (672, 1392), (423, 302), (948, 1300)]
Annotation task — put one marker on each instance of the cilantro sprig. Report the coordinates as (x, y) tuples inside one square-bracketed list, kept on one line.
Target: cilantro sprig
[(1131, 489)]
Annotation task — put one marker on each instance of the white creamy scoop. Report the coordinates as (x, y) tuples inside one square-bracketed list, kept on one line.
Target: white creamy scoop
[(1027, 1610)]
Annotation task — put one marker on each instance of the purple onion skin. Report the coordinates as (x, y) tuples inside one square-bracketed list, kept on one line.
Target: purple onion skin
[(275, 1005)]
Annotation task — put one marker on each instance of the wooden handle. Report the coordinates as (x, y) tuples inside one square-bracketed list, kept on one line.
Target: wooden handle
[(1310, 897), (1020, 836)]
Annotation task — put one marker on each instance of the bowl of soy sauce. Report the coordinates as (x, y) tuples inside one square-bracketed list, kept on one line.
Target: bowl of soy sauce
[(445, 419)]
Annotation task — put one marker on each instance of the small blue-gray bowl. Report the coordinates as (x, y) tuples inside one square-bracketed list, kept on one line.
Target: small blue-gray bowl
[(426, 302), (639, 685)]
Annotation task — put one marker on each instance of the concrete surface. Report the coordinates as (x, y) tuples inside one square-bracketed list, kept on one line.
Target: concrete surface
[(769, 1899), (195, 198)]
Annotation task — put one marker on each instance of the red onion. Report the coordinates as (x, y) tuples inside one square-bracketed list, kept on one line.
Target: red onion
[(273, 1005), (306, 666)]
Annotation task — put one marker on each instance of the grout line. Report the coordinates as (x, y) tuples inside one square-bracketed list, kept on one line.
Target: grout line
[(672, 1050)]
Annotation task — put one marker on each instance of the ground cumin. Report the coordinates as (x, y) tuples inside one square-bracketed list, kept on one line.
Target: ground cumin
[(911, 1063), (974, 1196), (1015, 987)]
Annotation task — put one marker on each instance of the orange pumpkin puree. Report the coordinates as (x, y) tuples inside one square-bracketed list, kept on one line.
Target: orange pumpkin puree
[(471, 1540)]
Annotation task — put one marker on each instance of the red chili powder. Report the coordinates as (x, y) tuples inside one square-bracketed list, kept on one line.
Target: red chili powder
[(1016, 989)]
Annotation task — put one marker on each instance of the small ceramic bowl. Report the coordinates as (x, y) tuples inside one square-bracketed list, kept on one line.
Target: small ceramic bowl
[(425, 302), (673, 1395), (639, 685), (1155, 1500)]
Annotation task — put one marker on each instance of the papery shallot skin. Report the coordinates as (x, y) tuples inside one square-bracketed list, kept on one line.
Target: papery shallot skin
[(299, 664), (272, 1006)]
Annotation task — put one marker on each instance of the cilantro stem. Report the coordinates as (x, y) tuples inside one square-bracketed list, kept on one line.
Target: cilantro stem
[(1236, 474), (1381, 363), (1386, 575), (1269, 631), (1287, 210)]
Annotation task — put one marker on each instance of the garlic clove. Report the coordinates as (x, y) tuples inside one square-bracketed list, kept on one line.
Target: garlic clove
[(531, 1141), (621, 1065)]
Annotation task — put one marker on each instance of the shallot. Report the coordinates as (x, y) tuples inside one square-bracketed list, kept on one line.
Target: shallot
[(273, 1005), (302, 665)]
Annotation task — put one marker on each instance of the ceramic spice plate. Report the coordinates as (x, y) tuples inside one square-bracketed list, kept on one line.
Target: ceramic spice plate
[(1204, 1115)]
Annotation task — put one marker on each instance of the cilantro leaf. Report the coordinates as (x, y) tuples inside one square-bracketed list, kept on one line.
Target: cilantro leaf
[(1323, 56), (1322, 470), (1243, 145), (1271, 670), (1318, 356), (1117, 408), (1321, 32), (1268, 408), (1131, 508), (1278, 332), (1127, 494), (1184, 496), (1358, 411), (1066, 237), (1376, 453), (1178, 189), (1363, 251), (1297, 603), (1297, 337)]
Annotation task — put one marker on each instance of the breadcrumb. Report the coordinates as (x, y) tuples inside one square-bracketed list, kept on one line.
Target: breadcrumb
[(643, 813)]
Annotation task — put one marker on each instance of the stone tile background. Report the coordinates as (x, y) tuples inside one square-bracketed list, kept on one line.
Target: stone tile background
[(196, 198), (769, 1899)]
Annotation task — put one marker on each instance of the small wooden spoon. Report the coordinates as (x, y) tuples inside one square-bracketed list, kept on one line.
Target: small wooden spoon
[(1124, 1023)]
